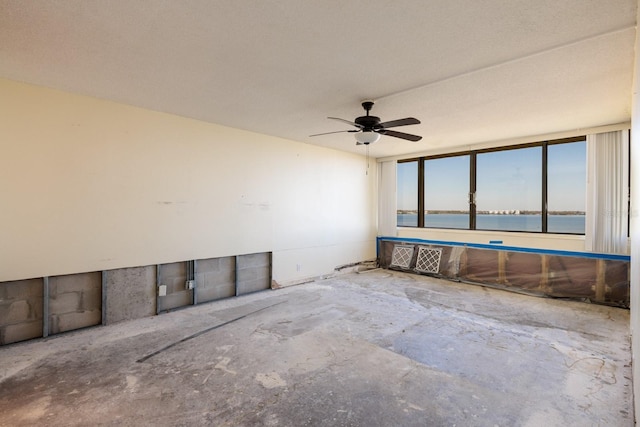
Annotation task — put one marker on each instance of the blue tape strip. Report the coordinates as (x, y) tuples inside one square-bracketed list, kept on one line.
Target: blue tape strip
[(593, 255)]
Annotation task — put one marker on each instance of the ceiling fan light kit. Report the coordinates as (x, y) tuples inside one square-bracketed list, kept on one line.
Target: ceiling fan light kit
[(369, 128), (367, 137)]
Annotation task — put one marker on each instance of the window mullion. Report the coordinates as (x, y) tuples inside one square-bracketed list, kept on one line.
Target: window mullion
[(544, 187), (472, 191), (421, 192)]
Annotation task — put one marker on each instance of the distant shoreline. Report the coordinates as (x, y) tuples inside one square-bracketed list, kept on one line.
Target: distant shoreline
[(433, 212)]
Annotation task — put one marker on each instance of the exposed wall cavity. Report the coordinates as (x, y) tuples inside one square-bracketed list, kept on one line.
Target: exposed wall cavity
[(131, 293), (46, 306), (216, 278), (596, 278), (21, 310), (74, 302)]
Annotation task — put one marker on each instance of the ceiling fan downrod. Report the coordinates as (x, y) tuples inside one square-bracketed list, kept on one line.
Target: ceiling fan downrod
[(367, 105)]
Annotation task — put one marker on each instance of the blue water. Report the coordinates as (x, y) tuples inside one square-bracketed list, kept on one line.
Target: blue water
[(555, 223)]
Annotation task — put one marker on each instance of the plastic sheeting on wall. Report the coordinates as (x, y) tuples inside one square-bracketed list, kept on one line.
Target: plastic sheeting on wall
[(598, 280)]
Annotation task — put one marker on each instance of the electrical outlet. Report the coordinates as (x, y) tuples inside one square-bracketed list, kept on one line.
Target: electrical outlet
[(190, 284), (162, 290)]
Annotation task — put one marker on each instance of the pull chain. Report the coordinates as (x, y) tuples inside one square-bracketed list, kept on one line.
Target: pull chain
[(367, 149)]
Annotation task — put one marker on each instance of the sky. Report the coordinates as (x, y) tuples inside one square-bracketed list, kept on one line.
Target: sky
[(506, 180)]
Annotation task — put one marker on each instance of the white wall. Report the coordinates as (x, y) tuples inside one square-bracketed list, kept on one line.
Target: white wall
[(90, 185), (525, 240)]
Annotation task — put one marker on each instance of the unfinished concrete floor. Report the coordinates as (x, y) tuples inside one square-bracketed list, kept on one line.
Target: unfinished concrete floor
[(379, 348)]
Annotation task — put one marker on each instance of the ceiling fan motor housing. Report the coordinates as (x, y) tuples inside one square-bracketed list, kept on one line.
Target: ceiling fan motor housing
[(368, 122)]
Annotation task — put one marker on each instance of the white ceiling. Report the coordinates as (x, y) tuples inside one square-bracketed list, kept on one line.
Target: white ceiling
[(471, 71)]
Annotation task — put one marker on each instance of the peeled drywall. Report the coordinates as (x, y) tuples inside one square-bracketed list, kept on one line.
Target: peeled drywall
[(92, 185), (600, 279)]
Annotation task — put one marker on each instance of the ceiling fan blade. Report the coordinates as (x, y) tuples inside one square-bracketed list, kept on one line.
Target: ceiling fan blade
[(338, 131), (400, 122), (402, 135), (346, 121)]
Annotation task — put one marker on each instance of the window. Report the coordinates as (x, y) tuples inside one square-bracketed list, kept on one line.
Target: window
[(407, 193), (566, 181), (509, 190), (536, 187), (446, 188)]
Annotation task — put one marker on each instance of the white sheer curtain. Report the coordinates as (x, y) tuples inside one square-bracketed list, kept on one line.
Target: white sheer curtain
[(607, 192), (387, 211)]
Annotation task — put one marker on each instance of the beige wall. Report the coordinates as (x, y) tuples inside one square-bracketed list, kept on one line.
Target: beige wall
[(91, 185)]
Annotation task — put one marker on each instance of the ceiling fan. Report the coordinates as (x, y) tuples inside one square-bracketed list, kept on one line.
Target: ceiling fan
[(369, 127)]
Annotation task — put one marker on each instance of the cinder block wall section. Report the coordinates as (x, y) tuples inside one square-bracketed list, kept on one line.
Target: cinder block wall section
[(130, 293), (173, 276), (254, 272), (215, 278), (20, 310), (75, 301)]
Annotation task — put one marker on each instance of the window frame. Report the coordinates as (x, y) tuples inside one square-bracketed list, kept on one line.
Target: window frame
[(473, 183), (420, 221)]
